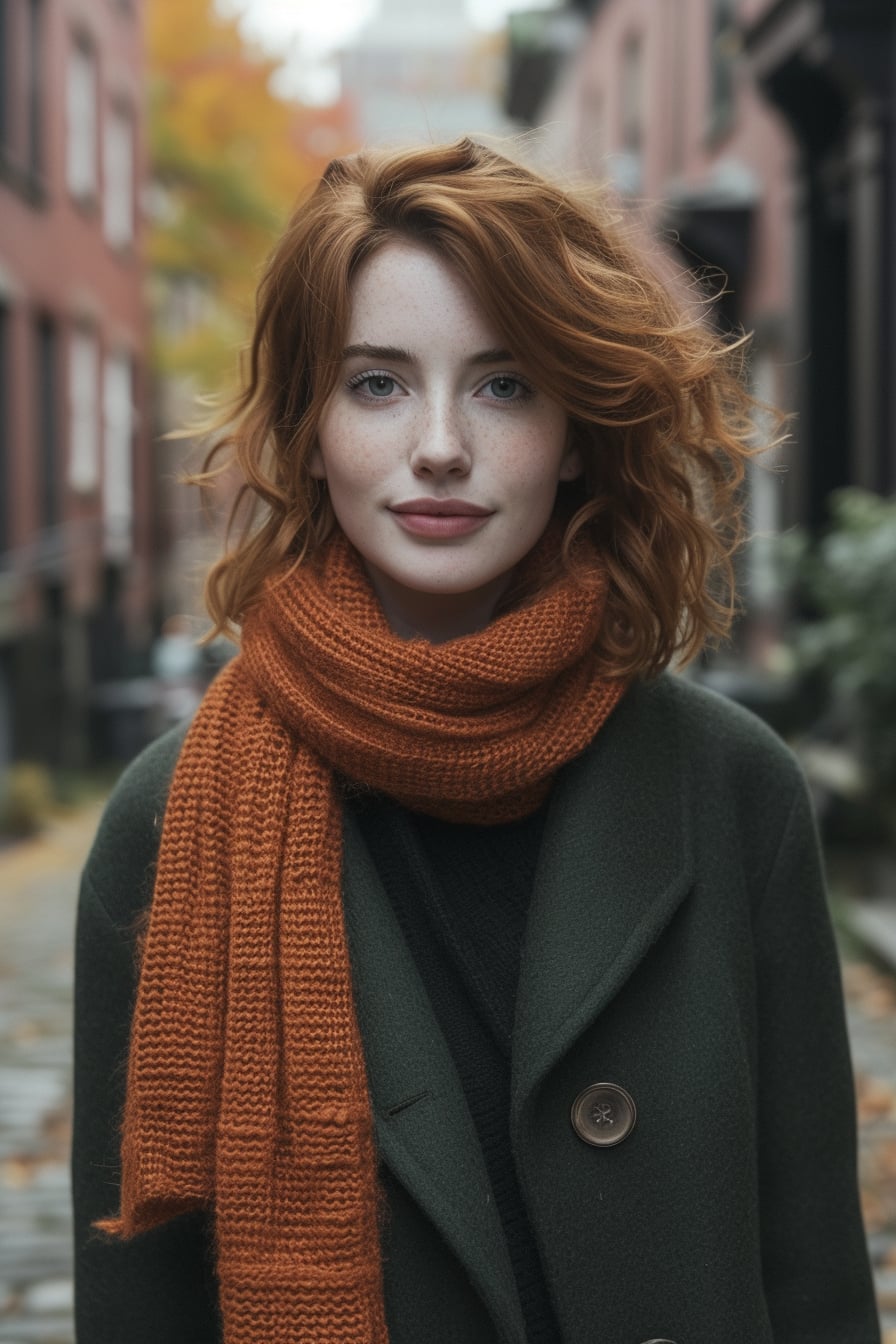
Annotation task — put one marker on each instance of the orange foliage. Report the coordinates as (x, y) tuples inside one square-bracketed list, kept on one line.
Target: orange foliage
[(229, 158)]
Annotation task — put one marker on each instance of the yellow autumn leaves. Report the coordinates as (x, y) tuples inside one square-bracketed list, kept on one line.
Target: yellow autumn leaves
[(228, 158)]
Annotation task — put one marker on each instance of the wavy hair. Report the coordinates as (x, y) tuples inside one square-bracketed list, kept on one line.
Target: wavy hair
[(656, 401)]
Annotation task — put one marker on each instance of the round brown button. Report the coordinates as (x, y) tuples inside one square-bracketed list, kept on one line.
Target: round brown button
[(603, 1115)]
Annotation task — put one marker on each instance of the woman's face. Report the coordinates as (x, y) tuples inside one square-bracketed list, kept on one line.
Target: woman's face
[(440, 455)]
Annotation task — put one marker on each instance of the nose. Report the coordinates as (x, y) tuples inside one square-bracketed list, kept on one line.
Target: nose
[(441, 446)]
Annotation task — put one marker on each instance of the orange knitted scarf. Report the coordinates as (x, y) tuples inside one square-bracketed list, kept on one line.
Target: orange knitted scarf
[(246, 1087)]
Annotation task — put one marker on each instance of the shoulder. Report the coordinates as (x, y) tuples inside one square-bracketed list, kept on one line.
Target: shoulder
[(719, 739), (121, 865), (737, 781)]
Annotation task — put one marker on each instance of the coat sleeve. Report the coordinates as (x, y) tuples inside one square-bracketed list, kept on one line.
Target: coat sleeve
[(158, 1288), (815, 1262)]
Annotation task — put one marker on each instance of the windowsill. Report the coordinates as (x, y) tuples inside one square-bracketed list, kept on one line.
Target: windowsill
[(87, 202), (126, 253), (84, 490)]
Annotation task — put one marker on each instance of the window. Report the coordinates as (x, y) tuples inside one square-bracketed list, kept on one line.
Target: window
[(46, 418), (5, 462), (5, 78), (628, 163), (724, 54), (83, 463), (81, 106), (34, 90), (632, 96), (118, 436), (21, 92), (678, 47), (118, 177)]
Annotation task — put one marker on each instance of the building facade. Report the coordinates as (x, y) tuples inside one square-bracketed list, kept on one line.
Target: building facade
[(419, 73), (75, 479), (828, 68), (754, 140)]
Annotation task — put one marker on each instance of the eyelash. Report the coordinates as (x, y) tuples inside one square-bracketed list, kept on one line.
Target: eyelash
[(526, 389), (359, 380)]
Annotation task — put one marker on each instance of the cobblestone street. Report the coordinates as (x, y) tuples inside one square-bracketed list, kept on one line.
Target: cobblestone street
[(37, 904)]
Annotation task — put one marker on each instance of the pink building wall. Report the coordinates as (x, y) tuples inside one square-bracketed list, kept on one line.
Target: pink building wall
[(681, 150), (76, 571), (56, 261)]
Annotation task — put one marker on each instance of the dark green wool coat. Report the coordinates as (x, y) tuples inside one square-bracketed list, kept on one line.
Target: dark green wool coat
[(679, 946)]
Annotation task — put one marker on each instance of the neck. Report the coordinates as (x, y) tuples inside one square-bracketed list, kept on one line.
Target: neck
[(437, 617)]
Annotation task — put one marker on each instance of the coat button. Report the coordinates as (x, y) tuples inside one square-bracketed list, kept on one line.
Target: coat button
[(603, 1115)]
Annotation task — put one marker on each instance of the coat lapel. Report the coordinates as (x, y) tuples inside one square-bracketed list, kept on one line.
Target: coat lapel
[(424, 1131), (615, 864)]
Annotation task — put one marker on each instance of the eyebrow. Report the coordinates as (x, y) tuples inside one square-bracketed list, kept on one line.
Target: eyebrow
[(395, 354)]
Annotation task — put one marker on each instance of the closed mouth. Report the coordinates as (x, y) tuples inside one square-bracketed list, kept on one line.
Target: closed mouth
[(442, 508)]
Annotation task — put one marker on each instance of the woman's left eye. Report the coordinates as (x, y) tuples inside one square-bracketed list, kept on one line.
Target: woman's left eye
[(507, 388)]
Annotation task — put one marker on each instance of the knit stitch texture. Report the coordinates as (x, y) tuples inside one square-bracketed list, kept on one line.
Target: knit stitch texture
[(246, 1085)]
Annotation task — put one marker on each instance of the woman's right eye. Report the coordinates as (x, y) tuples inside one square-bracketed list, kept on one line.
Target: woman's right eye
[(378, 385)]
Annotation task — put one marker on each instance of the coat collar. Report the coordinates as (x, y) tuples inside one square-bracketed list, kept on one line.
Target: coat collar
[(615, 863)]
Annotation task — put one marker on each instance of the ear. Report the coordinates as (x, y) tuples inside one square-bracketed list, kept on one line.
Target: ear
[(572, 465), (316, 467)]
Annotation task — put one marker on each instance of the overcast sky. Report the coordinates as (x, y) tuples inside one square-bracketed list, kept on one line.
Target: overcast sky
[(306, 32)]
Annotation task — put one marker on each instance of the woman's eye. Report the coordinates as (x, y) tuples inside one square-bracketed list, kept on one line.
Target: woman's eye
[(378, 385), (505, 388)]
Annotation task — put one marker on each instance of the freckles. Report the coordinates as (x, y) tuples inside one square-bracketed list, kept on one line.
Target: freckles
[(361, 464)]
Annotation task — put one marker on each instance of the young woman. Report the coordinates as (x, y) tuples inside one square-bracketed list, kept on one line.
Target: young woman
[(488, 992)]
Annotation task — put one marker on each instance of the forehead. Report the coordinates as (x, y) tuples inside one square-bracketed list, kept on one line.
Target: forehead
[(406, 294)]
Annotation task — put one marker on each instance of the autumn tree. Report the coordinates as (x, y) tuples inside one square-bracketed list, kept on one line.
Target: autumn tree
[(227, 161)]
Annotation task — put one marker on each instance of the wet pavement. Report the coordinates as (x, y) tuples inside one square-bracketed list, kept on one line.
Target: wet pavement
[(38, 881)]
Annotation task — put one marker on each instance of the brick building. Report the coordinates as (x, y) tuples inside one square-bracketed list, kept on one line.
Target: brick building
[(756, 139), (75, 482)]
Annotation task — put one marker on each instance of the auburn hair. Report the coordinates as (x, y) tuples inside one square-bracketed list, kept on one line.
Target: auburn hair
[(656, 400)]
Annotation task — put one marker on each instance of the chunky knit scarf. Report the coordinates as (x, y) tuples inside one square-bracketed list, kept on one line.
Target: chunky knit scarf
[(246, 1087)]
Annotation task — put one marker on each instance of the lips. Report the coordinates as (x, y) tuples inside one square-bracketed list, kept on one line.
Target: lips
[(442, 508), (440, 519)]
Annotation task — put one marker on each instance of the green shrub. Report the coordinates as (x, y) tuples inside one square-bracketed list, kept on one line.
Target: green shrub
[(850, 579)]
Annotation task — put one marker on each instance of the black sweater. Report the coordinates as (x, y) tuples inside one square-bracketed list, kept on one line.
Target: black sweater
[(461, 894)]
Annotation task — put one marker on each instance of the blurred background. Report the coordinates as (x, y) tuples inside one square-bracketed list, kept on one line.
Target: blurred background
[(150, 151)]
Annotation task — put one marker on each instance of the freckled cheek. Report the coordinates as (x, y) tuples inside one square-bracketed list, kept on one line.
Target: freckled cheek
[(529, 461), (374, 440), (355, 455)]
